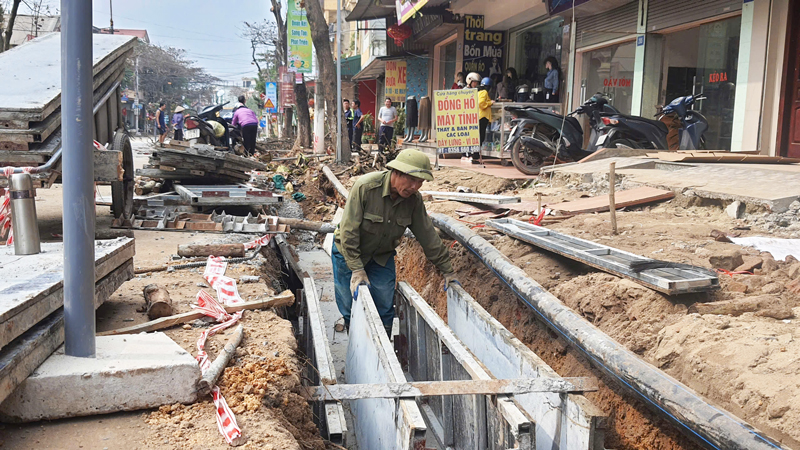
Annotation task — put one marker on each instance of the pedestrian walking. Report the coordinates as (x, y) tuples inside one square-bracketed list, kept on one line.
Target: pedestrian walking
[(161, 123), (348, 118), (247, 121), (380, 207)]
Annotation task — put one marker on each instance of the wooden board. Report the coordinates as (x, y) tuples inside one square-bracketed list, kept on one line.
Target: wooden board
[(604, 153), (722, 157), (631, 197), (28, 296), (24, 354), (30, 84)]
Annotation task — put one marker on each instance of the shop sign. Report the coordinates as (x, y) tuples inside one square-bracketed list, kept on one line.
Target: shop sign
[(617, 82), (395, 81), (271, 97), (456, 117), (299, 34), (483, 50), (407, 8), (286, 87), (717, 77)]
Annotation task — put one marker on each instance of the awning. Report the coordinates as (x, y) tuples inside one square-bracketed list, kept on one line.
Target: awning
[(372, 70), (381, 9), (371, 10)]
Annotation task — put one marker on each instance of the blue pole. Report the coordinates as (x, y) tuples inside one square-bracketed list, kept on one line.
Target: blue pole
[(78, 177)]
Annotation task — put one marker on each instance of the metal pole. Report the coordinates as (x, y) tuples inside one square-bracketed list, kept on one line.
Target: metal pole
[(339, 153), (319, 114), (111, 14), (136, 111), (78, 177)]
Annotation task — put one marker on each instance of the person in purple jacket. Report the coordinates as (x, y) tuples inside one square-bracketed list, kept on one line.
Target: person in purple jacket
[(247, 120)]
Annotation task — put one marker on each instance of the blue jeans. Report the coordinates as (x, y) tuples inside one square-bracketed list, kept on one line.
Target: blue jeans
[(382, 282)]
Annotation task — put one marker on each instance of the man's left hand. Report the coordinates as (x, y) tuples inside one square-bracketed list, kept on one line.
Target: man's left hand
[(450, 278)]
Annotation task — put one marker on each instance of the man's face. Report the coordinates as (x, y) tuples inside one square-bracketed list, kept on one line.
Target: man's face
[(405, 185), (388, 103), (346, 106)]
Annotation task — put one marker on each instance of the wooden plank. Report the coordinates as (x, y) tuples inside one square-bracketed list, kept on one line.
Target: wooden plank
[(631, 197), (450, 387), (285, 298), (561, 421), (26, 297), (23, 355), (604, 153)]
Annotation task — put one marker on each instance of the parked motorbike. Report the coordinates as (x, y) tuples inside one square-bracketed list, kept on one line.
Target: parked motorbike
[(539, 135), (207, 127), (620, 130)]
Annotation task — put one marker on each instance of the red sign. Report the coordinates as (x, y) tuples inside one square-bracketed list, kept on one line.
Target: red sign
[(717, 77), (287, 81), (617, 82)]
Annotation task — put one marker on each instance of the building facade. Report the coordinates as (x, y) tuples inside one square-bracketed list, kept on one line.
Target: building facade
[(640, 53)]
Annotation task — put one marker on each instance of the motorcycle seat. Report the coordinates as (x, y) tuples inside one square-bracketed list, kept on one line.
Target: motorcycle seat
[(656, 123)]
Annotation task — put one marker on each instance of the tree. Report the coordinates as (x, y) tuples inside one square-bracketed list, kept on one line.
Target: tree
[(166, 75), (327, 69), (6, 42), (300, 91)]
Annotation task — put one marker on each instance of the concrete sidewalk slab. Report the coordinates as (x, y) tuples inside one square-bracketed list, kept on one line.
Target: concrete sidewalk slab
[(130, 372)]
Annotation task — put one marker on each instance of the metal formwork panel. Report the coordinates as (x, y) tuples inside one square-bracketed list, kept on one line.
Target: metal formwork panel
[(380, 423), (433, 351), (226, 195), (670, 278)]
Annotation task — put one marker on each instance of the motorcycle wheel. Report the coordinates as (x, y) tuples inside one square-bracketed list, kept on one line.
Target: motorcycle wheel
[(527, 162)]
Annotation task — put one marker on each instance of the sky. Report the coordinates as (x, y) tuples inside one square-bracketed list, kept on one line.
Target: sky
[(209, 31)]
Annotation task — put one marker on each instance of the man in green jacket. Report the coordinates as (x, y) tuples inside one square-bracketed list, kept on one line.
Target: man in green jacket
[(380, 207)]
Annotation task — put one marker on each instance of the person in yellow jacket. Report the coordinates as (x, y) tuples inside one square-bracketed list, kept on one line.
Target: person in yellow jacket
[(484, 112)]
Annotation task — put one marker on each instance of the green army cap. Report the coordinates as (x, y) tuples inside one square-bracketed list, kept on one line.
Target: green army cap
[(412, 162)]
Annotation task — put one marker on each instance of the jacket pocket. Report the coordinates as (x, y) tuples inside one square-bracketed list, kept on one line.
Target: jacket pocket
[(372, 223), (404, 222)]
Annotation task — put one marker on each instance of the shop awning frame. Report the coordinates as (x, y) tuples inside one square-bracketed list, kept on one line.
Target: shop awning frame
[(382, 9)]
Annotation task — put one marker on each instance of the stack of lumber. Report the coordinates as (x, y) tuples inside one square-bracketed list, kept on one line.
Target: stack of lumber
[(199, 164), (32, 299), (30, 96)]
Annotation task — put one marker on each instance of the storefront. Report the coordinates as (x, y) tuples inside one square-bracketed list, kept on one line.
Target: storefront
[(609, 71), (531, 45)]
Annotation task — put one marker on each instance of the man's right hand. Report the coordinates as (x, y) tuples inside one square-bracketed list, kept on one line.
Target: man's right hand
[(357, 278)]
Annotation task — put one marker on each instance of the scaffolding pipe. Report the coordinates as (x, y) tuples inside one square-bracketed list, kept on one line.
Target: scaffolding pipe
[(710, 426), (78, 177)]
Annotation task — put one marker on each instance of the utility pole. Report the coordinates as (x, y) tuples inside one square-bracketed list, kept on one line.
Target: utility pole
[(319, 114), (111, 14), (78, 177), (136, 111), (339, 152)]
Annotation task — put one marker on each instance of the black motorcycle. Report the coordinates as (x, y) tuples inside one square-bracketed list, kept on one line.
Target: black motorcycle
[(688, 127), (539, 136), (212, 114)]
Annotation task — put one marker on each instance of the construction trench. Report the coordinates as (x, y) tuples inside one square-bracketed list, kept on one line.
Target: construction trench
[(541, 373)]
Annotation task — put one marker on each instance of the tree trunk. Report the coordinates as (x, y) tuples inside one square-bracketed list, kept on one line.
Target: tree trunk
[(6, 44), (233, 250), (327, 69), (303, 117), (287, 123)]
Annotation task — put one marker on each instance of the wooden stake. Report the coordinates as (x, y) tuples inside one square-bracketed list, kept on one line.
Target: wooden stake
[(212, 374), (539, 202), (612, 181)]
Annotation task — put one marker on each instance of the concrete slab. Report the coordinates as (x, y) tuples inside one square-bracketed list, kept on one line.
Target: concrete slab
[(129, 372)]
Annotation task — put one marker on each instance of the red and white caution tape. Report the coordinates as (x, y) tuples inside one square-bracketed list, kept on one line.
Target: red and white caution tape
[(227, 292), (262, 241), (5, 217), (226, 421)]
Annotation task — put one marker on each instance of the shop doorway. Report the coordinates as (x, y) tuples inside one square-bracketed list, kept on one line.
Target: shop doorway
[(447, 60), (609, 71), (704, 59), (789, 124)]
